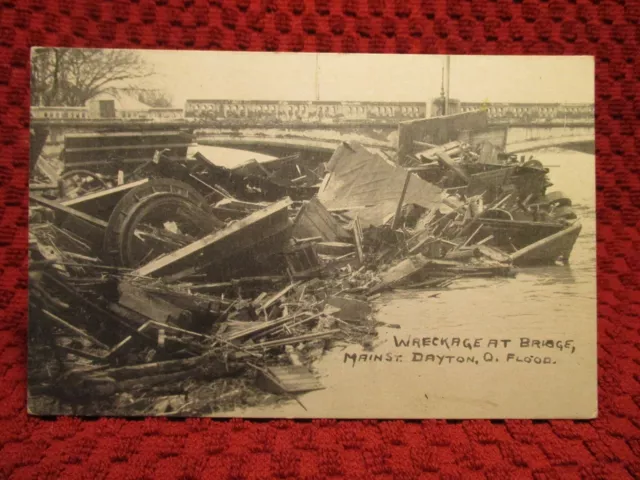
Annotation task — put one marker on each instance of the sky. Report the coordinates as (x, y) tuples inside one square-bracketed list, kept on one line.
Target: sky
[(368, 77)]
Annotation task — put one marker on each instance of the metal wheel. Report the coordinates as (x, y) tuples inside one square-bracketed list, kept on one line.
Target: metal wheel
[(161, 224), (156, 218)]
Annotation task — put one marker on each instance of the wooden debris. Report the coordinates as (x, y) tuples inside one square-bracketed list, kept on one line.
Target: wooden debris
[(266, 228), (350, 309), (100, 204), (314, 220), (302, 260), (74, 329), (357, 236), (150, 306), (293, 340), (279, 295), (87, 227), (193, 317), (335, 248), (288, 379)]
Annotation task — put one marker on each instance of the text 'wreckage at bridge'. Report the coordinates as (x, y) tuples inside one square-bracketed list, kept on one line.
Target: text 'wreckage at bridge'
[(180, 254)]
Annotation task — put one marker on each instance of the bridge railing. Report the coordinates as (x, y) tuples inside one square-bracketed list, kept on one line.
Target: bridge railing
[(265, 113), (132, 114), (303, 111), (166, 113), (60, 113), (510, 113)]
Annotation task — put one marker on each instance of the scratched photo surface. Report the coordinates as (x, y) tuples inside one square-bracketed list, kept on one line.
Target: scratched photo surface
[(311, 235)]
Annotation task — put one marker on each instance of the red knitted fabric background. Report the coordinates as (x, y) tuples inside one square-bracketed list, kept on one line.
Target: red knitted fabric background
[(70, 448)]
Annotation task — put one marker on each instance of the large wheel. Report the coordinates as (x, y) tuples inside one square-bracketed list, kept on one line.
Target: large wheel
[(156, 218)]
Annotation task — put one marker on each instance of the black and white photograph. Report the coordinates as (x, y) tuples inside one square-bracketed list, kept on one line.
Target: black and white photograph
[(305, 235)]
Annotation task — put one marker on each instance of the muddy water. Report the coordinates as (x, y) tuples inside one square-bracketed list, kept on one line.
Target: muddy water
[(551, 302)]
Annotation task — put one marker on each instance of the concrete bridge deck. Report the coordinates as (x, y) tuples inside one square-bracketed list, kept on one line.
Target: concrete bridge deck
[(519, 139), (322, 139)]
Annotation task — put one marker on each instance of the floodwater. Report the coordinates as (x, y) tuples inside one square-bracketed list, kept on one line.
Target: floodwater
[(552, 303)]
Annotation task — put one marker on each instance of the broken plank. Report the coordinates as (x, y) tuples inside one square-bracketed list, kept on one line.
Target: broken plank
[(89, 228), (292, 340), (279, 295), (43, 186), (248, 233), (101, 203), (81, 353), (357, 235), (220, 286), (120, 189), (285, 326), (471, 236), (334, 248), (398, 215), (148, 337), (75, 329), (64, 210), (127, 340), (157, 368), (166, 326), (150, 306), (448, 161), (484, 240), (288, 379), (314, 220), (270, 325), (114, 317)]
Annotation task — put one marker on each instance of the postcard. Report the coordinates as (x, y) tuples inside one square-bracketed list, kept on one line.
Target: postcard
[(309, 235)]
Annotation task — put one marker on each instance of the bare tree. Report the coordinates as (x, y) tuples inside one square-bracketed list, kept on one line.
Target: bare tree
[(70, 77)]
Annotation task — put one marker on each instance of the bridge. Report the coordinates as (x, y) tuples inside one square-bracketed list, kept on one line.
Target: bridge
[(516, 138), (526, 126), (579, 137)]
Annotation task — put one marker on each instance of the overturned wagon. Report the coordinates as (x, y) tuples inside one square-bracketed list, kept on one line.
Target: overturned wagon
[(168, 220)]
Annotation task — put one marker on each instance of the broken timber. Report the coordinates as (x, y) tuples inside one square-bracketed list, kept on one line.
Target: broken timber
[(288, 379), (445, 159), (293, 340), (148, 305), (357, 236), (249, 233), (81, 224), (314, 220), (102, 203)]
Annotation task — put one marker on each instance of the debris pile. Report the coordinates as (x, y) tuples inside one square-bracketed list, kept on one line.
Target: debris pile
[(186, 288)]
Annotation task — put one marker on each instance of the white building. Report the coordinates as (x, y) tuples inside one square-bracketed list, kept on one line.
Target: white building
[(117, 105)]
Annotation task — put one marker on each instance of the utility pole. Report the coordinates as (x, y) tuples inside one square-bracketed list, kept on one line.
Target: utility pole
[(447, 69), (442, 97), (317, 78)]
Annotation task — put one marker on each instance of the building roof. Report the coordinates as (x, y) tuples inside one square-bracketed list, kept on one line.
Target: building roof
[(126, 101)]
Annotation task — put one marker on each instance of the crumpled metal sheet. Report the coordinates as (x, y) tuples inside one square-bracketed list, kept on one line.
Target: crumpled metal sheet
[(366, 184)]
